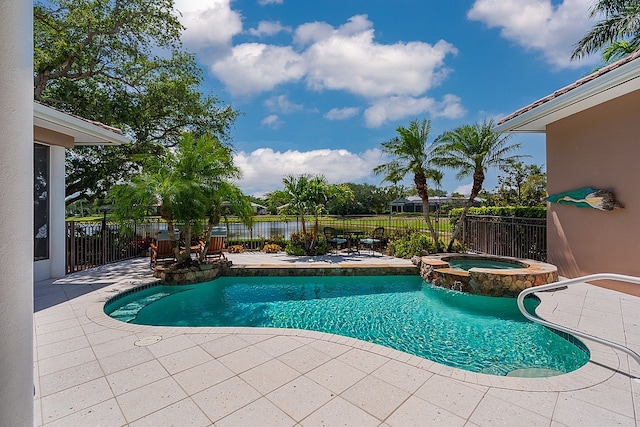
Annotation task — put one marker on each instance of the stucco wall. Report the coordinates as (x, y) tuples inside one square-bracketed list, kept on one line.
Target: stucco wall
[(598, 148), (16, 212)]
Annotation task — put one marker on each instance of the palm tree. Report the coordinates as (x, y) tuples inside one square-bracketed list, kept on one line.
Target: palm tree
[(618, 50), (308, 195), (189, 181), (412, 154), (294, 193), (621, 22), (472, 150)]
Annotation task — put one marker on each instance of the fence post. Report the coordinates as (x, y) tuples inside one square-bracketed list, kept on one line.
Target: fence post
[(104, 236), (71, 246)]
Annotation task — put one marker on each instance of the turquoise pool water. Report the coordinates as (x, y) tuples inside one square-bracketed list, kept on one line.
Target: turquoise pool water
[(466, 264), (480, 334)]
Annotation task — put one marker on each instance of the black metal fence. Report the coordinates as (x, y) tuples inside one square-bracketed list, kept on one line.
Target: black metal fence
[(90, 244), (93, 243), (507, 236)]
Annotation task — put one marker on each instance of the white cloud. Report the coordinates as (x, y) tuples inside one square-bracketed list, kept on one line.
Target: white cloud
[(255, 67), (282, 104), (398, 107), (464, 189), (272, 121), (347, 58), (342, 113), (264, 168), (450, 107), (544, 26), (268, 28), (208, 22)]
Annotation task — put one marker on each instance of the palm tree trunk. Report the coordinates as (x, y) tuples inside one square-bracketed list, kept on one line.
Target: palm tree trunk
[(478, 179), (186, 254), (427, 218), (421, 185), (458, 228), (172, 238)]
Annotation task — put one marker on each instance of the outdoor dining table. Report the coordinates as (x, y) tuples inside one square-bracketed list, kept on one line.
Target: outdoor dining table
[(353, 236)]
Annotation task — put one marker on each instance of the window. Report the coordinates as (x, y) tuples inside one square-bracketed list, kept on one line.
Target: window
[(41, 202)]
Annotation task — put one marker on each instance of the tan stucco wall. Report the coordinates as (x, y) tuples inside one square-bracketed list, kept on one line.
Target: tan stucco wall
[(598, 148)]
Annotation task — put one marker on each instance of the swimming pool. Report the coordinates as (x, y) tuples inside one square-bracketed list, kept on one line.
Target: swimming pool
[(476, 333)]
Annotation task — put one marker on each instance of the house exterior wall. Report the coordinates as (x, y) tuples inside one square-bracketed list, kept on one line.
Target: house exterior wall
[(598, 148), (16, 211)]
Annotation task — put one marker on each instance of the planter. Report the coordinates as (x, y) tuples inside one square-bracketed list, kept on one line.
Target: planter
[(170, 275)]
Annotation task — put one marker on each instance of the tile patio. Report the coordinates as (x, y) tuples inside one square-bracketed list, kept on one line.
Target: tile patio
[(91, 370)]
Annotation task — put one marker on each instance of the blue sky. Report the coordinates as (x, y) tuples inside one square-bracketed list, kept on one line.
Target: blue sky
[(320, 84)]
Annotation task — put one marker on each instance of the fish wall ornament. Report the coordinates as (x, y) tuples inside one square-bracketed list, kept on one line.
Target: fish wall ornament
[(587, 197)]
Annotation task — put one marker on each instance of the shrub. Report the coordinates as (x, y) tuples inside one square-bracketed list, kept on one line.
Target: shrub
[(518, 211), (277, 239), (504, 211), (413, 244), (305, 244), (236, 249), (294, 249), (271, 248)]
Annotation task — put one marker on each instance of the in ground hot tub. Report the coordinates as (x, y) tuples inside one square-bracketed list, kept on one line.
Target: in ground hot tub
[(485, 274)]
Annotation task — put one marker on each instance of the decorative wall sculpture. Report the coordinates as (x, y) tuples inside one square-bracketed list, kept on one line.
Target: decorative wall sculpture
[(587, 197)]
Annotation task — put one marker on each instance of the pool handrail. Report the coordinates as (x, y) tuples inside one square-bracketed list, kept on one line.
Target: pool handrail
[(567, 282)]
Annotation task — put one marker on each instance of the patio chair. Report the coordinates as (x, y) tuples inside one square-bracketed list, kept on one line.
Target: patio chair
[(331, 235), (375, 240), (217, 243), (162, 248)]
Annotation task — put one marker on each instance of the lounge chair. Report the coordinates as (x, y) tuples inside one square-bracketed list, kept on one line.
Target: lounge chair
[(162, 248), (216, 243), (331, 235), (375, 240)]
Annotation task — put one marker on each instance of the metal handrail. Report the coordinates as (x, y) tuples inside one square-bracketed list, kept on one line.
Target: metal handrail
[(563, 283)]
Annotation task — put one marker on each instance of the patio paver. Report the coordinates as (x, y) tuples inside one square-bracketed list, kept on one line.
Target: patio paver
[(93, 370)]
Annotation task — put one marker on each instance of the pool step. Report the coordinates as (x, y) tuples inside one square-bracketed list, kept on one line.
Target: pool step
[(130, 311)]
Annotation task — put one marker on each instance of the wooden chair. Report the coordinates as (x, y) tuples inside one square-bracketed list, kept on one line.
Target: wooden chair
[(375, 240), (331, 235), (217, 243), (162, 248)]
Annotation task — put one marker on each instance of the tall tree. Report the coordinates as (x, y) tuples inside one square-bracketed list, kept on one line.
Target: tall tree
[(411, 153), (308, 195), (472, 150), (522, 185), (621, 21), (367, 199), (120, 63)]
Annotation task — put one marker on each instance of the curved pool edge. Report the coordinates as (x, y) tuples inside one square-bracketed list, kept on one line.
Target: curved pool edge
[(603, 364)]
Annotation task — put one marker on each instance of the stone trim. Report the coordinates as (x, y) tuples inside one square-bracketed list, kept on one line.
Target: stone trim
[(486, 281)]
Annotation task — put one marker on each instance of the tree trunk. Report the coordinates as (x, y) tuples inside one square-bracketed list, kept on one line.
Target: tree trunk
[(172, 238), (421, 185), (186, 253), (478, 179)]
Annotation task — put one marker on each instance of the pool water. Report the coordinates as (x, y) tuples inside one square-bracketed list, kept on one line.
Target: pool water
[(476, 333), (467, 264)]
